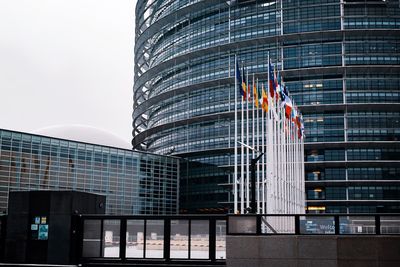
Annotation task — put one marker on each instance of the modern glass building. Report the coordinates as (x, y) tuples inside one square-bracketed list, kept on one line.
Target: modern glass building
[(133, 182), (340, 60)]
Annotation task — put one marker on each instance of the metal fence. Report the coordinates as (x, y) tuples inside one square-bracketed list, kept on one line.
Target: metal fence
[(314, 224), (151, 238)]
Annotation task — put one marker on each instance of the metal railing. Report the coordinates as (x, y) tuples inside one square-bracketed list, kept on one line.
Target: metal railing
[(314, 224), (158, 239)]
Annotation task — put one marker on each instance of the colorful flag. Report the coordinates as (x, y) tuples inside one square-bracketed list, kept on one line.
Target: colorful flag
[(239, 80), (288, 107), (244, 85), (297, 120), (279, 85), (255, 93), (271, 81), (264, 99), (259, 93), (283, 92), (301, 127), (294, 113)]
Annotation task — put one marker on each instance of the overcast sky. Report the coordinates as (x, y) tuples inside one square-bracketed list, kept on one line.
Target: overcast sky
[(67, 62)]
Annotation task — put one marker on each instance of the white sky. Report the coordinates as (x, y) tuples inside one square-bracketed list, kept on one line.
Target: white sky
[(67, 62)]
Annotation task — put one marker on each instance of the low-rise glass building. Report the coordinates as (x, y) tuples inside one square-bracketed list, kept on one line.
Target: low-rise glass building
[(133, 182)]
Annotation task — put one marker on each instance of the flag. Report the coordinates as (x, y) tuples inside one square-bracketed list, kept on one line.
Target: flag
[(294, 113), (255, 93), (279, 85), (271, 81), (244, 85), (298, 123), (302, 126), (283, 93), (239, 80), (275, 81), (264, 100), (259, 93), (288, 107)]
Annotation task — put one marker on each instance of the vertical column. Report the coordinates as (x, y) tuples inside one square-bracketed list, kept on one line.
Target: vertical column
[(122, 239), (212, 239), (167, 239)]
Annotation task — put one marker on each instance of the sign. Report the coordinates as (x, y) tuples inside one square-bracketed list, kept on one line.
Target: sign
[(43, 232), (39, 228)]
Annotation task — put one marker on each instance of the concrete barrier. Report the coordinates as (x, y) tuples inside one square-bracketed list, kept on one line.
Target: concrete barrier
[(310, 251)]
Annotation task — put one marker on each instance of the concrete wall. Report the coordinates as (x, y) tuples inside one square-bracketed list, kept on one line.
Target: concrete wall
[(310, 251)]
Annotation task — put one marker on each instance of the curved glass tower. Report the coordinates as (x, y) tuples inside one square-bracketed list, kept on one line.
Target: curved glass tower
[(340, 60)]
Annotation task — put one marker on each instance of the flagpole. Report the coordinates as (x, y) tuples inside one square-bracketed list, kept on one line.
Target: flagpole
[(258, 148), (253, 134), (282, 175), (263, 161), (297, 181), (235, 205), (294, 164), (247, 143), (303, 173), (242, 156), (296, 173), (294, 149), (271, 186), (268, 199), (293, 145)]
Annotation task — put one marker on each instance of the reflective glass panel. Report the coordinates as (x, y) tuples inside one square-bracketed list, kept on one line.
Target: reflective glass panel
[(220, 237), (134, 238), (199, 239), (357, 224), (390, 224), (154, 239), (179, 245), (317, 225), (91, 238), (111, 235)]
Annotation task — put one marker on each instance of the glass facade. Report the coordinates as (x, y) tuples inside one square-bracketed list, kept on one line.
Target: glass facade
[(340, 60), (133, 182)]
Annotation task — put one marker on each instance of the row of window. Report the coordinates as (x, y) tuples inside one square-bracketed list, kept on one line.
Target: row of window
[(369, 173), (372, 23), (355, 193), (190, 140), (363, 208), (371, 10)]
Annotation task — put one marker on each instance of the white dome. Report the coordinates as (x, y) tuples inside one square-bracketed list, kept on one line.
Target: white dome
[(84, 133)]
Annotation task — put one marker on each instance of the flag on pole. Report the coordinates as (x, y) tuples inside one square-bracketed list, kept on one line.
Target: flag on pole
[(264, 99), (276, 82), (255, 93), (259, 93), (288, 107), (244, 85), (283, 92), (239, 80), (294, 113), (281, 172), (271, 85)]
